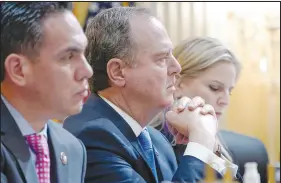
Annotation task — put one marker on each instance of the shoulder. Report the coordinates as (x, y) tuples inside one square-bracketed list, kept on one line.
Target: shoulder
[(101, 131), (65, 137), (239, 145), (233, 138)]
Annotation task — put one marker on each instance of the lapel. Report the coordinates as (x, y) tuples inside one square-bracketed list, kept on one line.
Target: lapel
[(159, 168), (161, 163), (60, 169), (108, 112), (13, 139)]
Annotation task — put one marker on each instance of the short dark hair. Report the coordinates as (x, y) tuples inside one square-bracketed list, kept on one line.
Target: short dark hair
[(109, 36), (21, 27)]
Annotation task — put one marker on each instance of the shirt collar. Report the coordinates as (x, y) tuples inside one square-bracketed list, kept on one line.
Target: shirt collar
[(135, 126), (23, 125)]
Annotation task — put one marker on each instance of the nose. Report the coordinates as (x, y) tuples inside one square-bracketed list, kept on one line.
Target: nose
[(223, 100), (85, 70), (174, 66)]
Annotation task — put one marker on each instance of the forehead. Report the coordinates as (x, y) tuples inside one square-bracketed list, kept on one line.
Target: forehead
[(62, 30), (150, 34), (222, 71)]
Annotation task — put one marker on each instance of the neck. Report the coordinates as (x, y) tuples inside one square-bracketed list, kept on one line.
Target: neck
[(25, 106), (138, 110)]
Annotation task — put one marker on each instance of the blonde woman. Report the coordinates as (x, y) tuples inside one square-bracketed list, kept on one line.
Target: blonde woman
[(209, 70)]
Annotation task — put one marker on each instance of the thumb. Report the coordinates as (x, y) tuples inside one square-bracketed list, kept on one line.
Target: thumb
[(174, 120)]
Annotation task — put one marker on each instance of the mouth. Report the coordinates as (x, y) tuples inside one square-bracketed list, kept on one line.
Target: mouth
[(218, 114), (171, 86), (84, 92)]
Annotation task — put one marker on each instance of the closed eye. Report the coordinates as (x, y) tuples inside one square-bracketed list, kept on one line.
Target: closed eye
[(213, 88)]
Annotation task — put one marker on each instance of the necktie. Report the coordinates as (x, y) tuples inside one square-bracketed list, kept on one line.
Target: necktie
[(146, 144), (39, 145)]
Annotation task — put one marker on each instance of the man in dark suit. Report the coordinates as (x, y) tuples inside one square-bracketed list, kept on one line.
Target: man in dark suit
[(43, 76), (134, 77)]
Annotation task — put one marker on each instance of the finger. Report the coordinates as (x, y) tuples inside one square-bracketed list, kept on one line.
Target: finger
[(181, 104), (185, 140), (179, 138), (208, 109), (174, 131), (170, 128), (196, 102), (174, 120)]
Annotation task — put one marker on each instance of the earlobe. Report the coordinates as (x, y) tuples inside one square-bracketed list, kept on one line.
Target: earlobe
[(15, 66), (115, 72)]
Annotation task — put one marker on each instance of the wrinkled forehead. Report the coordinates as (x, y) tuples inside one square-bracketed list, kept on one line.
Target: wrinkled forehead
[(149, 33)]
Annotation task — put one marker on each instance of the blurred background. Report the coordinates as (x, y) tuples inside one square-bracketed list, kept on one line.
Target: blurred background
[(252, 31)]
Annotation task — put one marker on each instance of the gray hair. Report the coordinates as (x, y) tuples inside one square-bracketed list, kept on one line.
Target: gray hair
[(109, 36)]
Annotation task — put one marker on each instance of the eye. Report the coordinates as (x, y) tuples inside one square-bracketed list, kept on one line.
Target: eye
[(213, 88), (162, 61), (68, 56)]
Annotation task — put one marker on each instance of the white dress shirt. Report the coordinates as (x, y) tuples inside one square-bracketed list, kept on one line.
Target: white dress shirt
[(192, 149)]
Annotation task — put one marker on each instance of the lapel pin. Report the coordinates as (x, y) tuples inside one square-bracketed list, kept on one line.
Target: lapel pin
[(63, 158)]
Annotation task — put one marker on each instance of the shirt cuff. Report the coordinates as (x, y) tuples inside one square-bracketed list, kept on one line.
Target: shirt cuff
[(207, 156)]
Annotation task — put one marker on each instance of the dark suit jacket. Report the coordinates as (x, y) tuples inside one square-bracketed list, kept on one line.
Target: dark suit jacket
[(16, 162), (113, 152), (241, 148), (245, 149)]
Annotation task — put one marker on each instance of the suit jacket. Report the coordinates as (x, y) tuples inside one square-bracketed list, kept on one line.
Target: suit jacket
[(241, 148), (17, 165), (113, 152), (245, 149)]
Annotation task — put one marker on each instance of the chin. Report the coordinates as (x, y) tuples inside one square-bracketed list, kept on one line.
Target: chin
[(168, 102), (75, 110)]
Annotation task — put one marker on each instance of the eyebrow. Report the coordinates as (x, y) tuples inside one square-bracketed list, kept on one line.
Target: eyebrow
[(75, 47), (217, 82), (72, 49), (221, 83), (163, 52)]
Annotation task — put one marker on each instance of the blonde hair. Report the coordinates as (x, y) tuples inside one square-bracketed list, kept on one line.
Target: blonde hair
[(196, 55), (200, 53)]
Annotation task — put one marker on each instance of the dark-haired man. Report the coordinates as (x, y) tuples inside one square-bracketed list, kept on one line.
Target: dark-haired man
[(43, 76)]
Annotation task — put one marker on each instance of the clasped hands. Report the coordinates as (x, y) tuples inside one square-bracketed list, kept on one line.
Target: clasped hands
[(191, 120)]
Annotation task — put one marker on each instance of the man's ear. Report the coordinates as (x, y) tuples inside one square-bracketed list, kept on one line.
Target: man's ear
[(17, 67), (114, 71)]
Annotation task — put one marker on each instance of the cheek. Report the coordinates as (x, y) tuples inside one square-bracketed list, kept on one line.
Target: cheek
[(204, 92), (153, 79), (57, 81), (209, 96)]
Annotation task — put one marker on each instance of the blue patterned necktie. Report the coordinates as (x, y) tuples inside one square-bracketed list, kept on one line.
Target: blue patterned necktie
[(146, 144)]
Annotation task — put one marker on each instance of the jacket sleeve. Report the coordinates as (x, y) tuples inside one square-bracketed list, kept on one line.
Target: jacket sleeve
[(190, 170)]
